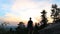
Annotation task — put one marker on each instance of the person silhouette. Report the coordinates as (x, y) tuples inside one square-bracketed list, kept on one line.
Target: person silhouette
[(30, 26)]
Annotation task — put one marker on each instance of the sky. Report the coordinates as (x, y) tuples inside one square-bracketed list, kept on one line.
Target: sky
[(15, 11)]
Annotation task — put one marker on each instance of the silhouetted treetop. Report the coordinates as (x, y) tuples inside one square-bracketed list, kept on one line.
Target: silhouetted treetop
[(43, 12), (54, 6), (55, 12), (44, 20), (20, 23)]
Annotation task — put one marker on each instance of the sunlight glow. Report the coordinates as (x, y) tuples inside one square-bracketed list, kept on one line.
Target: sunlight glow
[(21, 10)]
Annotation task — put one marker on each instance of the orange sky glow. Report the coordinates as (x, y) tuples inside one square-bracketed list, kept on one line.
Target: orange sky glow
[(15, 11)]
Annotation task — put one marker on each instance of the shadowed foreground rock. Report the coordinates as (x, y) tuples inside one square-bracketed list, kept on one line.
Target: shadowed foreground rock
[(53, 29)]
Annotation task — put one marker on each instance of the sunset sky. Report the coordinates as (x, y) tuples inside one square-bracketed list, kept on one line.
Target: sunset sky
[(14, 11)]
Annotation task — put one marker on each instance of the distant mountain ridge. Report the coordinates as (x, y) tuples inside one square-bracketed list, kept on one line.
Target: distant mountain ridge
[(8, 27)]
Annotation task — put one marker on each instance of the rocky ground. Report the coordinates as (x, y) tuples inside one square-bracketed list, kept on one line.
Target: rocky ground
[(51, 29)]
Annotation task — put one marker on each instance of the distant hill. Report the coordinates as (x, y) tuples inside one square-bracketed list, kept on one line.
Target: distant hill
[(51, 29), (8, 27)]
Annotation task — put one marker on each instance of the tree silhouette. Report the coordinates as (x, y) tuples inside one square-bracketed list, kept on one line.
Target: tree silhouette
[(55, 12), (36, 28), (4, 24), (44, 19), (30, 26), (20, 28)]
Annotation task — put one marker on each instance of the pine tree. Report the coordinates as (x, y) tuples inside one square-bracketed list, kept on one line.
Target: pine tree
[(55, 13), (36, 28), (44, 19)]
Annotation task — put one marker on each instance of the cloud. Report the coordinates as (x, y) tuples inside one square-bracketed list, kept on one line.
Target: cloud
[(21, 10), (29, 7), (11, 19)]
